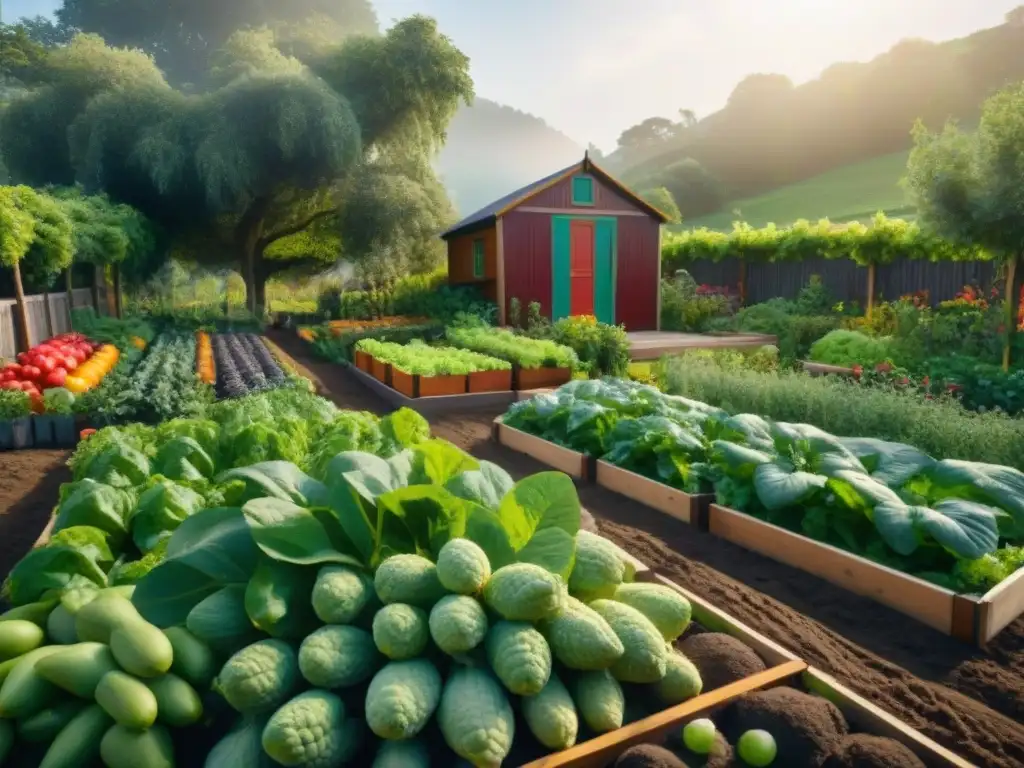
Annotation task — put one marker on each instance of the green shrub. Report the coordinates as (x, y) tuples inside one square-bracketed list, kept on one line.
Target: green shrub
[(682, 309), (795, 333), (941, 428), (14, 404), (603, 350), (850, 348)]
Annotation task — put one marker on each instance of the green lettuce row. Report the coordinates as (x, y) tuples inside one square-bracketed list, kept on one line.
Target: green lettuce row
[(416, 358), (519, 350)]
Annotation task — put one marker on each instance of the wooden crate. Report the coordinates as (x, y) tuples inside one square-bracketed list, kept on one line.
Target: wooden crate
[(573, 463), (688, 508), (490, 381), (539, 378), (784, 668), (973, 620)]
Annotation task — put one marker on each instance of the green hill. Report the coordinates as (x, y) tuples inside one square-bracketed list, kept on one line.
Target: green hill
[(852, 192)]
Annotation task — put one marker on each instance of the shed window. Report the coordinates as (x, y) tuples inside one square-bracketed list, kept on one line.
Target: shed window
[(478, 258), (582, 190)]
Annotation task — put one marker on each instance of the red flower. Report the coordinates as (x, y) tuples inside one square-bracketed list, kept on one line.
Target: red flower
[(857, 371), (925, 381), (953, 387), (904, 380)]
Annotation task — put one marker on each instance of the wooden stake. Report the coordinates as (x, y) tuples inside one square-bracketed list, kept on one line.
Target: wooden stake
[(871, 290), (97, 273), (69, 287), (19, 297), (117, 291), (49, 315), (1013, 285), (743, 283)]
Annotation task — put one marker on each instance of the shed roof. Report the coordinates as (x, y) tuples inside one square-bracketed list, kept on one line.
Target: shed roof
[(503, 205)]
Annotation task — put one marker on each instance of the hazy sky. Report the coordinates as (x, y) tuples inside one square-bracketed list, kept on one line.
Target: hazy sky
[(594, 67)]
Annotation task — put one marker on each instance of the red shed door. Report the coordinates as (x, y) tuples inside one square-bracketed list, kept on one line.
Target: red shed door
[(581, 267)]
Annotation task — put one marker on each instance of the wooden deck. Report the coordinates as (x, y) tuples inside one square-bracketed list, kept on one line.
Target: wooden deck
[(650, 345)]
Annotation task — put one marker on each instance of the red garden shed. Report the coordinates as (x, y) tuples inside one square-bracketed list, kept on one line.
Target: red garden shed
[(578, 242)]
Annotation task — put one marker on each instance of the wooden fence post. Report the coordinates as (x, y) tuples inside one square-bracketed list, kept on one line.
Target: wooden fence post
[(743, 282), (1013, 285), (871, 290), (48, 314), (97, 272), (117, 290)]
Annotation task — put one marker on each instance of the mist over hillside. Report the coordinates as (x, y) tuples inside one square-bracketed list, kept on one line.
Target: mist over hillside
[(493, 149)]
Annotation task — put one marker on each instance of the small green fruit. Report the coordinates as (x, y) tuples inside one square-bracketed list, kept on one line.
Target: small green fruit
[(699, 736), (757, 748)]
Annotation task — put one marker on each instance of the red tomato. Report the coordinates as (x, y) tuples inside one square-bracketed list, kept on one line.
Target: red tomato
[(56, 377), (80, 354), (23, 357), (69, 362), (16, 367), (30, 373), (46, 364), (12, 384)]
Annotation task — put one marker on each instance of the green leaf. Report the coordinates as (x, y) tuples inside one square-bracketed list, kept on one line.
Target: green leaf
[(357, 518), (484, 527), (779, 488), (438, 461), (292, 534), (369, 475), (53, 567), (209, 550), (544, 500), (890, 463), (965, 529), (737, 461), (277, 599), (405, 428), (485, 486), (279, 480), (861, 492), (161, 509), (167, 594), (551, 548), (991, 484), (183, 458), (418, 518)]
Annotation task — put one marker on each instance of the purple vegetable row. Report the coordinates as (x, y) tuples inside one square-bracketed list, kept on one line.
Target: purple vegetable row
[(244, 365)]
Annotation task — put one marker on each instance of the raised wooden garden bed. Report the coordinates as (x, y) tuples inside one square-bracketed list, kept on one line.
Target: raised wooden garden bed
[(539, 378), (380, 371), (490, 381), (573, 463), (363, 361), (412, 385), (403, 390), (784, 668), (688, 508), (971, 619)]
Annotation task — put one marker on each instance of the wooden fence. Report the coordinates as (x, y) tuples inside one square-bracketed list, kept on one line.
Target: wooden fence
[(40, 327), (845, 280)]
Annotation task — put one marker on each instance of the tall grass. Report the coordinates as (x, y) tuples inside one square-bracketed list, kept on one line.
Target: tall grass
[(941, 428)]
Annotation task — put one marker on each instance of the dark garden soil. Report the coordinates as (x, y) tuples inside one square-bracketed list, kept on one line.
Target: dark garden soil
[(969, 700), (28, 490)]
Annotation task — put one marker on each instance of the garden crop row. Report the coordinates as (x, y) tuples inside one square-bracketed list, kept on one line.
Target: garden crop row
[(244, 365), (938, 540), (418, 370), (536, 363), (223, 548)]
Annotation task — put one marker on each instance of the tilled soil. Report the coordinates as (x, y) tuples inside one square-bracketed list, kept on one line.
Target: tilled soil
[(969, 700), (28, 490)]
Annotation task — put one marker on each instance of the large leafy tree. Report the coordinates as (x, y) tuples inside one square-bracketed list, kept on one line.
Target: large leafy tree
[(34, 127), (267, 156), (967, 187), (183, 34)]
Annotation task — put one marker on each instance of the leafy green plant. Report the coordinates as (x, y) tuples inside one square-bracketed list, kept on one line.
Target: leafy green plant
[(891, 502), (338, 347), (14, 404), (58, 401), (849, 348), (506, 345), (422, 360), (602, 348)]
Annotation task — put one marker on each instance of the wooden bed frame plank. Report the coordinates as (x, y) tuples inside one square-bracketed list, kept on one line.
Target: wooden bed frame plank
[(685, 507), (1000, 606), (870, 718), (925, 602), (571, 462), (432, 405), (716, 620), (600, 751)]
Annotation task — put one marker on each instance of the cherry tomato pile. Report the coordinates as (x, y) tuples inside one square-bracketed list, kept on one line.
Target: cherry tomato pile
[(69, 360)]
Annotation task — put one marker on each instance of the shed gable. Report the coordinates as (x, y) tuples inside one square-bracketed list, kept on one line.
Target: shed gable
[(569, 194)]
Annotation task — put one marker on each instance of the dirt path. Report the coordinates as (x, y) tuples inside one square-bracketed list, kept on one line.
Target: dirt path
[(28, 490), (970, 701)]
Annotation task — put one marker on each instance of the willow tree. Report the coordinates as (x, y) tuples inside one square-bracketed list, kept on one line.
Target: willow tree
[(265, 156), (34, 128), (35, 238), (967, 188)]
